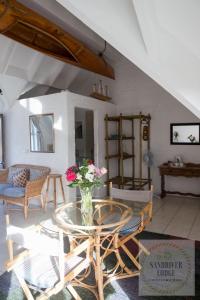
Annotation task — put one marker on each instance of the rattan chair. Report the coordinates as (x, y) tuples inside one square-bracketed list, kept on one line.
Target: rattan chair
[(138, 222), (33, 187), (42, 267)]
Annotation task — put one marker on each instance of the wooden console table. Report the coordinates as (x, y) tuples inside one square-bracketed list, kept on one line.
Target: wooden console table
[(188, 170)]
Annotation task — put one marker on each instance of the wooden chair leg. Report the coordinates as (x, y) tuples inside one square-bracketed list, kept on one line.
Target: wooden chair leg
[(47, 193), (62, 190), (45, 201), (73, 292), (132, 258), (25, 288), (9, 242), (42, 201), (54, 192), (10, 249), (26, 209), (140, 246)]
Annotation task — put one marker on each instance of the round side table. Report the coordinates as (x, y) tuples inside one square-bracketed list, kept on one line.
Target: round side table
[(54, 178)]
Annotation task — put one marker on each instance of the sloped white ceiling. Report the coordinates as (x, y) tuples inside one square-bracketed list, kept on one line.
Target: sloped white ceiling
[(160, 37), (11, 88)]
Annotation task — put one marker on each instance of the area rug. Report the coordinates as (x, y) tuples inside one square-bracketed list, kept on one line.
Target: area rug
[(126, 289)]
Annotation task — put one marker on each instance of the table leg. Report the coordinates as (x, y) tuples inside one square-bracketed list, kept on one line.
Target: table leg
[(163, 193), (98, 269)]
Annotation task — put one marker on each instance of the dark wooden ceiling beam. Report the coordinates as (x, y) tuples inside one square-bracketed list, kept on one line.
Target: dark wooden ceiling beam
[(25, 26)]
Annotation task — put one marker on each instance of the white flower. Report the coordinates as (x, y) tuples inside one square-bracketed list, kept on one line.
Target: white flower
[(89, 177), (78, 176)]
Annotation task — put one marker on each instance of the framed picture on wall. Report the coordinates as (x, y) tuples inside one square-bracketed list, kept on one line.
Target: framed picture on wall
[(185, 134)]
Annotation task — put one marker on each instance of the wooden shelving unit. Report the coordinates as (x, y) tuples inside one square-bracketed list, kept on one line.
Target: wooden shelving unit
[(121, 180)]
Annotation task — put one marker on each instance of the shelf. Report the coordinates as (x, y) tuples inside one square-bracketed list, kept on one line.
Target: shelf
[(128, 181), (100, 97), (125, 156), (118, 139), (118, 180), (128, 118)]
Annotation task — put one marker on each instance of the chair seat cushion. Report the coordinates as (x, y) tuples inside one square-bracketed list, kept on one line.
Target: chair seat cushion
[(3, 186), (14, 192), (42, 271), (132, 225)]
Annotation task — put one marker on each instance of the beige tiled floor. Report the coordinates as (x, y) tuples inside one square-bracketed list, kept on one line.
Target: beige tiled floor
[(177, 216)]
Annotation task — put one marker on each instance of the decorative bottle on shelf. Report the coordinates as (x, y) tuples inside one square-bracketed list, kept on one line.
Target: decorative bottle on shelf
[(94, 88), (100, 90)]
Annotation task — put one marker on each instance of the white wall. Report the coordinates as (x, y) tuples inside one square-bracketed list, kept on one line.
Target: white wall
[(17, 137), (137, 92), (63, 106)]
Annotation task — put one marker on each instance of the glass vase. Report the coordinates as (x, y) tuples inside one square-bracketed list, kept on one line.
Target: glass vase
[(86, 205)]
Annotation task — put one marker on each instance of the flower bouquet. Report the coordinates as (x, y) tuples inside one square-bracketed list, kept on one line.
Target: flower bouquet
[(86, 177)]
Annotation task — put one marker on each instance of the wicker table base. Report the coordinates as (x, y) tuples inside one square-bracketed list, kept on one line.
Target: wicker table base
[(105, 242)]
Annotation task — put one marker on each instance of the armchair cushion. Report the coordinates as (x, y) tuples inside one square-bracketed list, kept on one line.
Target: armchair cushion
[(21, 178), (3, 186), (12, 171), (14, 192)]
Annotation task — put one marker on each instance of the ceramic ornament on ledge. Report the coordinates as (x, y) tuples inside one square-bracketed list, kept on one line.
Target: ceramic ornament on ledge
[(100, 92)]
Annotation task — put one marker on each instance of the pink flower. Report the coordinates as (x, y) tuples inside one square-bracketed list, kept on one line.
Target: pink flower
[(70, 169), (103, 171), (70, 175), (98, 172), (91, 168)]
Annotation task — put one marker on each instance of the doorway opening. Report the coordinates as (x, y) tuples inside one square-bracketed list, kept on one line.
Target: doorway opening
[(84, 135)]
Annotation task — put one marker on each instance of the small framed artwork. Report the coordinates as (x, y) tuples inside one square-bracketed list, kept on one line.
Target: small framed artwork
[(185, 133)]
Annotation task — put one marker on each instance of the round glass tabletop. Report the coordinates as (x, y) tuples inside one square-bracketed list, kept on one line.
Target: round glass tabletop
[(108, 216)]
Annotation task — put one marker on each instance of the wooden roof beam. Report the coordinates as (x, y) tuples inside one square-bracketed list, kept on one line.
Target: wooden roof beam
[(26, 26)]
